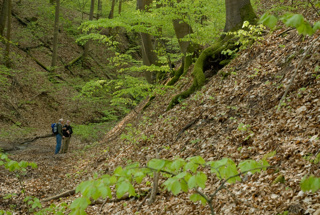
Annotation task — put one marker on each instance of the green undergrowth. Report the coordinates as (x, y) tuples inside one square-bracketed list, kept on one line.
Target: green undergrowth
[(15, 132), (92, 132)]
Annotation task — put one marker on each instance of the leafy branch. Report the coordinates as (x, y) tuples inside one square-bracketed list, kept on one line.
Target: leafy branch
[(182, 175)]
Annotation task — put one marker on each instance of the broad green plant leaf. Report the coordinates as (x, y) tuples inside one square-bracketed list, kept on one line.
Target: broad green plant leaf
[(196, 197), (268, 20), (157, 164), (311, 183)]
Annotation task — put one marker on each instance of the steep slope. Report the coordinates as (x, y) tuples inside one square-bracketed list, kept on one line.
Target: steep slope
[(235, 115), (211, 124)]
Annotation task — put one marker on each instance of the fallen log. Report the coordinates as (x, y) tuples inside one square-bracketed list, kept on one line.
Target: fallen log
[(64, 194), (30, 140)]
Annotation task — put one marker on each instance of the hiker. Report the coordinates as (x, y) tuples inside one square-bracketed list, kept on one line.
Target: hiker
[(66, 131), (59, 136)]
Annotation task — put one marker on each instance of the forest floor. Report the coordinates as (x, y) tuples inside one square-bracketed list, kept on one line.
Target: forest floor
[(249, 96), (206, 124)]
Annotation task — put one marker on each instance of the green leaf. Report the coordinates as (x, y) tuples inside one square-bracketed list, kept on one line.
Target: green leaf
[(122, 188), (177, 164), (132, 192), (295, 21), (157, 164), (197, 159), (191, 166), (23, 164), (83, 186), (139, 176), (80, 203), (192, 182), (248, 165), (305, 29), (176, 187), (201, 179), (105, 191), (118, 171), (196, 197), (4, 157), (316, 26), (181, 175), (312, 183), (184, 186), (268, 20)]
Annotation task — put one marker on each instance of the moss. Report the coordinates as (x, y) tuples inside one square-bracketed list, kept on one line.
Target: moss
[(176, 76), (213, 51), (247, 14), (198, 75), (187, 63)]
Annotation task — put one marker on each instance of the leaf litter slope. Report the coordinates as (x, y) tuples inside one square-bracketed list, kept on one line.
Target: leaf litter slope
[(246, 98)]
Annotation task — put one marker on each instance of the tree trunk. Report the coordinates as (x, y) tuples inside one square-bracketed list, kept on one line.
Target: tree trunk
[(148, 54), (238, 11), (87, 45), (99, 9), (55, 36), (120, 6), (7, 57), (3, 17), (112, 9), (182, 29)]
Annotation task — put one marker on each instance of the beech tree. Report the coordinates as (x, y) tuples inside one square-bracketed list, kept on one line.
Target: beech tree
[(87, 45), (113, 3), (148, 51), (237, 11), (3, 16), (55, 35), (7, 53)]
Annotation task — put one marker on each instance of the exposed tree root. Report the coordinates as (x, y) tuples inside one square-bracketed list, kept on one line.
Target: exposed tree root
[(177, 75), (213, 52)]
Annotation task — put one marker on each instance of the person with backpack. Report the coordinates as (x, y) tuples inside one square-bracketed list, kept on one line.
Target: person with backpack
[(59, 135), (66, 131)]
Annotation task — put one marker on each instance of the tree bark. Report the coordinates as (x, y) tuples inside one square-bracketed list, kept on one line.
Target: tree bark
[(87, 45), (112, 9), (120, 6), (99, 9), (3, 17), (238, 11), (149, 56), (55, 36), (7, 52)]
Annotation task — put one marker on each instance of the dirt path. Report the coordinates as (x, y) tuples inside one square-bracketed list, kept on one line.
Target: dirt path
[(55, 173)]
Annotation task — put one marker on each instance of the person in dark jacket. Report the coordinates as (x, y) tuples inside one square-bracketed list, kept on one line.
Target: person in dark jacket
[(67, 131), (59, 136)]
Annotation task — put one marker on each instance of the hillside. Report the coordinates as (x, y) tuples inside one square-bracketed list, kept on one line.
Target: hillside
[(235, 115), (32, 96), (249, 95)]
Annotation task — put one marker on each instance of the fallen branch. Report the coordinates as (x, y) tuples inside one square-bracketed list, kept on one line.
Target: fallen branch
[(64, 194), (187, 127), (30, 140), (73, 61)]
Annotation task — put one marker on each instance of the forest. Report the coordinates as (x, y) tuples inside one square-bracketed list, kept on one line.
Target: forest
[(176, 106)]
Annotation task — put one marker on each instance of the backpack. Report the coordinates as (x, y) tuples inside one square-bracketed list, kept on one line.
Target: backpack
[(54, 127)]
